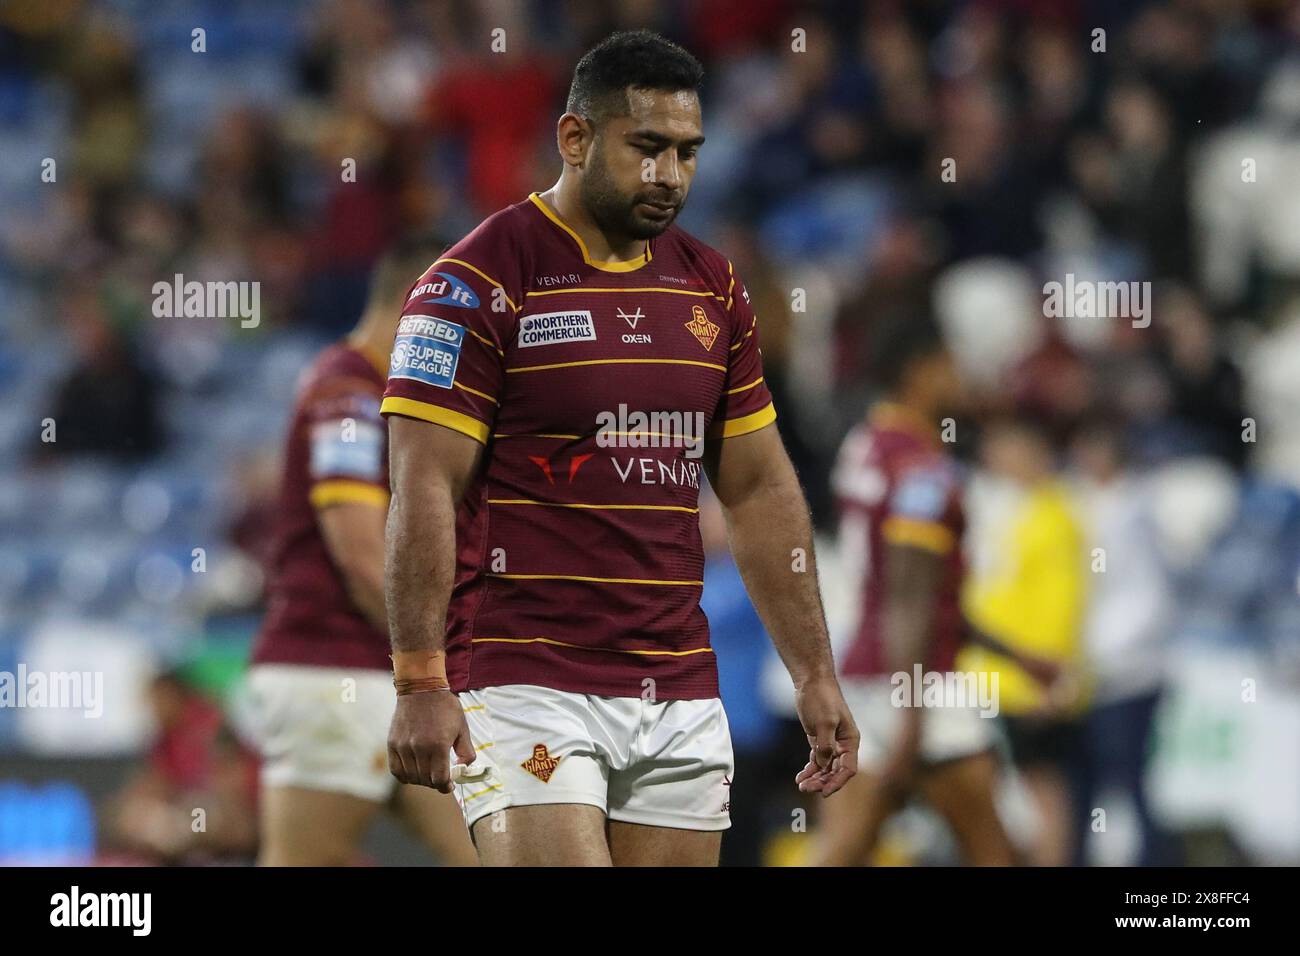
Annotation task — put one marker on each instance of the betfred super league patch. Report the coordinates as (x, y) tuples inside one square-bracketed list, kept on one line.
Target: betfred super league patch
[(427, 349)]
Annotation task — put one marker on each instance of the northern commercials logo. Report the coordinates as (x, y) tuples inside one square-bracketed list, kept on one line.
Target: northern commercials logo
[(631, 429), (548, 328), (75, 908), (56, 690), (448, 290), (541, 764), (954, 689), (179, 299)]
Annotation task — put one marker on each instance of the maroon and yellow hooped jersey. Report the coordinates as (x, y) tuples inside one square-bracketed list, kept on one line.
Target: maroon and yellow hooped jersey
[(593, 387), (337, 451)]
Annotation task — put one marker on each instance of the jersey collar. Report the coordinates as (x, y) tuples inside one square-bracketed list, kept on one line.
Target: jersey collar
[(630, 265)]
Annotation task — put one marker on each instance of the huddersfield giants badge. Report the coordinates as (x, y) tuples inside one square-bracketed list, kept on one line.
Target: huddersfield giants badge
[(702, 328), (541, 764)]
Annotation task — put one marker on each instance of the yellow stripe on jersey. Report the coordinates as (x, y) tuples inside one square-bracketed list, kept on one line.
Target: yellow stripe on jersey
[(438, 415), (735, 427), (583, 647), (622, 361), (488, 342), (339, 491), (479, 272), (475, 391), (920, 534), (550, 435), (753, 325), (744, 388), (536, 435), (564, 504), (582, 289), (580, 577), (631, 265)]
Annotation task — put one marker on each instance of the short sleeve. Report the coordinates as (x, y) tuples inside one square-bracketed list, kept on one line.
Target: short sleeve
[(347, 446), (746, 404), (918, 507), (447, 365)]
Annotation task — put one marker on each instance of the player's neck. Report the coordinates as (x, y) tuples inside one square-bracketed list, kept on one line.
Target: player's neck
[(373, 337), (565, 202), (913, 410)]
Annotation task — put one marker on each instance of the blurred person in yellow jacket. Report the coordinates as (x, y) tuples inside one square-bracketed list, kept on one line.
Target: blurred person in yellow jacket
[(1029, 597)]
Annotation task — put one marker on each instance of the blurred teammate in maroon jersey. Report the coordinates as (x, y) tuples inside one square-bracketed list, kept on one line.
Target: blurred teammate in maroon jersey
[(552, 525), (901, 524), (321, 680)]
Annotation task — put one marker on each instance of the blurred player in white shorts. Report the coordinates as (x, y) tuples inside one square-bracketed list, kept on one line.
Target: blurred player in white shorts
[(901, 523), (320, 683)]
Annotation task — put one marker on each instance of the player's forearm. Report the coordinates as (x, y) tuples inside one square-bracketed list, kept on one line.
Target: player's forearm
[(907, 629), (365, 586), (911, 585), (771, 540), (420, 566)]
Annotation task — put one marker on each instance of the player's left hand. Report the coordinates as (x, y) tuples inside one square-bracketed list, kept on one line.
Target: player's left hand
[(832, 737)]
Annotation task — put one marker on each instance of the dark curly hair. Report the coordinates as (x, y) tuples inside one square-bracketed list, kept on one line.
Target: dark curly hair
[(636, 59)]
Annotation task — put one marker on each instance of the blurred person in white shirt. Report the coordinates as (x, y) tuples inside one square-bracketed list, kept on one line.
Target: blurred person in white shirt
[(1126, 631)]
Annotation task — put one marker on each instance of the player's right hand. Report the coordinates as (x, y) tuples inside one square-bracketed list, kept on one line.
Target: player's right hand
[(832, 737), (426, 728)]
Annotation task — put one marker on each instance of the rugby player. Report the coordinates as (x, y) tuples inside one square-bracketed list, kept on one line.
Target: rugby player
[(899, 494), (320, 676), (574, 677)]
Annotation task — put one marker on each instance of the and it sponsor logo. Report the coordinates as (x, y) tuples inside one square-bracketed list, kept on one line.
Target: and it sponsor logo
[(541, 764), (446, 290)]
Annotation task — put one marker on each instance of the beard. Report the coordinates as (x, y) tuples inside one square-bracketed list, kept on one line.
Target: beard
[(615, 212)]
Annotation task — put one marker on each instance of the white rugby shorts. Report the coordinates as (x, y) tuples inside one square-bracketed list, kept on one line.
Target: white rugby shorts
[(323, 728), (657, 763)]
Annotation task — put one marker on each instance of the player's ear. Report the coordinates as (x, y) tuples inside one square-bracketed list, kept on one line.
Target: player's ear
[(573, 136)]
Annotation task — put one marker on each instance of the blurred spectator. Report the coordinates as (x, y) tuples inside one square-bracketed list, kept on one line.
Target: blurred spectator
[(107, 404), (1029, 595), (195, 799), (1126, 633), (1205, 393)]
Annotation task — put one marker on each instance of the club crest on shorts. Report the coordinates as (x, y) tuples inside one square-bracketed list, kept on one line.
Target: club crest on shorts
[(702, 328), (541, 764)]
